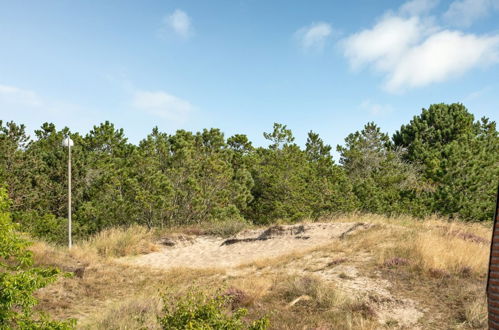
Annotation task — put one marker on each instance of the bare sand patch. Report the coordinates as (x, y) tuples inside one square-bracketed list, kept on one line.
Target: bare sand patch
[(245, 247)]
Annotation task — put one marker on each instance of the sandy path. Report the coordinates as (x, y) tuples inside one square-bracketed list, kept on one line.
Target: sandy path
[(246, 247)]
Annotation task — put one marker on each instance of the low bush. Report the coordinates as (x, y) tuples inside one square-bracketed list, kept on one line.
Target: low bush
[(197, 310), (225, 228)]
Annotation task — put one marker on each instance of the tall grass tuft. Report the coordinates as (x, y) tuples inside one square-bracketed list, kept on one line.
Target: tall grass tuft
[(450, 254), (120, 242), (139, 312)]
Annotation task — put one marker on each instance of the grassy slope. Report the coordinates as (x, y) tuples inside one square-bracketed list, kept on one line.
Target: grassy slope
[(440, 265)]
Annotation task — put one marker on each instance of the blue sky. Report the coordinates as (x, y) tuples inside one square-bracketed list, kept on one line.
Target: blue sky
[(241, 65)]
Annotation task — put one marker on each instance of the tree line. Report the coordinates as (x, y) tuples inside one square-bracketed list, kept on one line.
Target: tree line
[(443, 161)]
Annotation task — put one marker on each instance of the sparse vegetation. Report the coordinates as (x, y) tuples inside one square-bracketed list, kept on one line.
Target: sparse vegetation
[(113, 295)]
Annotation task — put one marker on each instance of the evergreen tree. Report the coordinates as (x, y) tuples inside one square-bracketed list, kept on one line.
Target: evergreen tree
[(460, 158), (328, 186), (383, 182)]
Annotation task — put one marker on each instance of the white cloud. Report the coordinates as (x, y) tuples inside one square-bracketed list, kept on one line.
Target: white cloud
[(385, 43), (413, 51), (180, 23), (17, 96), (441, 56), (417, 7), (162, 104), (314, 36), (465, 12), (376, 109)]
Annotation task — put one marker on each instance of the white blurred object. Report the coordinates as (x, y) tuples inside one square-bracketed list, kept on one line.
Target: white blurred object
[(67, 142)]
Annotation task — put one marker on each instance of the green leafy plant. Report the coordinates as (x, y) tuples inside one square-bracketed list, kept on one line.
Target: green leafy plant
[(197, 310), (19, 279)]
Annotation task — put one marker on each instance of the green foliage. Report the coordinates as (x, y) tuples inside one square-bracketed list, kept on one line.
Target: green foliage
[(46, 227), (291, 183), (197, 311), (443, 162), (383, 182), (329, 188), (460, 159), (19, 279)]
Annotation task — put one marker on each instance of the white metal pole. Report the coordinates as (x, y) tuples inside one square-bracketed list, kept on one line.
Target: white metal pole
[(69, 193)]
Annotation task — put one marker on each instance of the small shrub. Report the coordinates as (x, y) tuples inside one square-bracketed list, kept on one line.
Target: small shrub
[(199, 311), (237, 297), (47, 227), (397, 261), (363, 308), (225, 228)]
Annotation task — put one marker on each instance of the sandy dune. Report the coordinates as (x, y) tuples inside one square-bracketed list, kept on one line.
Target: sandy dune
[(245, 247), (253, 245)]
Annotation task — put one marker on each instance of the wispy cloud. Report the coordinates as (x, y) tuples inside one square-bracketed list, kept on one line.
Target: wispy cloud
[(180, 23), (375, 108), (413, 51), (32, 108), (162, 104), (465, 12), (314, 36), (478, 94), (18, 96)]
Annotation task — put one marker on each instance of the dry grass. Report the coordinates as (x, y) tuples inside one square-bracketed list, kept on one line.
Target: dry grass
[(321, 294), (101, 285), (475, 313), (283, 260), (120, 242), (309, 302), (255, 288), (138, 312), (449, 254), (439, 264), (433, 246)]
